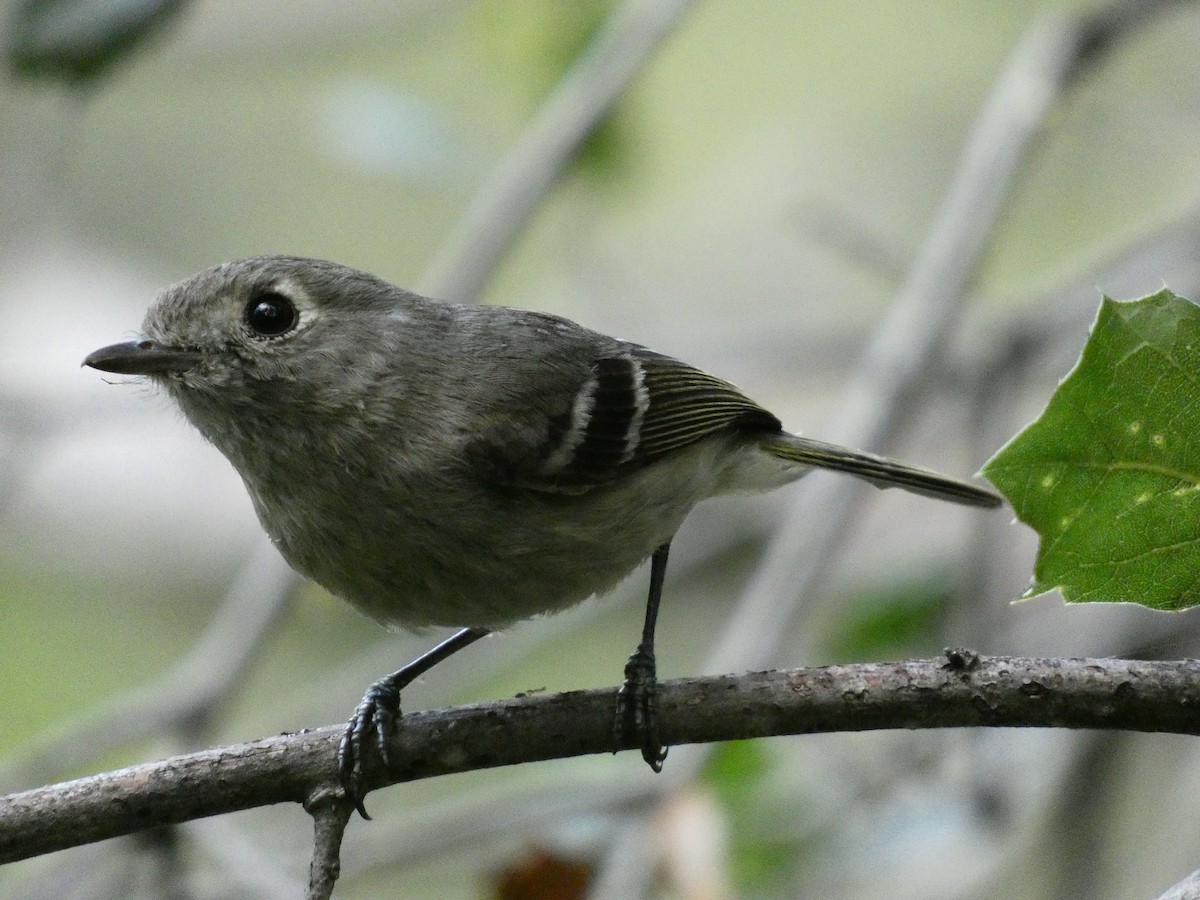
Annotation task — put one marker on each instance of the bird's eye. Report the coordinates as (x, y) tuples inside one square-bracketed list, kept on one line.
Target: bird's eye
[(271, 314)]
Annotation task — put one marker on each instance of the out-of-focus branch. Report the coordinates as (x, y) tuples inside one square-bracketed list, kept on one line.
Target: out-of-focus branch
[(502, 207), (1188, 889), (907, 343), (957, 691), (193, 690), (904, 350)]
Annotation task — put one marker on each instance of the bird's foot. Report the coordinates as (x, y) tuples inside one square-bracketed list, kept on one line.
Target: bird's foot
[(637, 707), (377, 712)]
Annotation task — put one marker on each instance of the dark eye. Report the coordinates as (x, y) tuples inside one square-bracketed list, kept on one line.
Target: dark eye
[(270, 314)]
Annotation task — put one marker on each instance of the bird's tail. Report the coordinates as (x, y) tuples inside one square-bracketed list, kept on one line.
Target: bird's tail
[(878, 470)]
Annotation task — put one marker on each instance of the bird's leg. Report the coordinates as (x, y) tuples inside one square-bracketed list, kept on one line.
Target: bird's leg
[(637, 701), (380, 708)]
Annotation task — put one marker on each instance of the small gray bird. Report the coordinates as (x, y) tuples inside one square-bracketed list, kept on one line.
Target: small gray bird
[(443, 464)]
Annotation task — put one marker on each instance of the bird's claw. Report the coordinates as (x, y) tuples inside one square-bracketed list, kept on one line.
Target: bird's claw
[(378, 712), (637, 707)]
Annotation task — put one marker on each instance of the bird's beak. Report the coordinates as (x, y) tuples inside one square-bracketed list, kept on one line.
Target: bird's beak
[(142, 357)]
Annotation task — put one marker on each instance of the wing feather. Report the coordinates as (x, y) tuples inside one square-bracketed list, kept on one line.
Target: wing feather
[(644, 406)]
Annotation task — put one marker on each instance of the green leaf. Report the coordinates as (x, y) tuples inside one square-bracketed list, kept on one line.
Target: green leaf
[(1109, 474), (761, 852), (81, 40)]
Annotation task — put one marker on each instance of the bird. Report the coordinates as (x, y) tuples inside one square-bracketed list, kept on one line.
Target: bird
[(446, 464)]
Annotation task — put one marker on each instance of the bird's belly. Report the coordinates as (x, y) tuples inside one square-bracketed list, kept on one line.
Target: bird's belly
[(423, 555), (417, 565)]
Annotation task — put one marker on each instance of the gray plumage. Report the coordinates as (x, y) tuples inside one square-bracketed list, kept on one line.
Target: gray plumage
[(444, 464)]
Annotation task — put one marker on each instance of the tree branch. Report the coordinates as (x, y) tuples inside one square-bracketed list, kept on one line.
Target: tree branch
[(331, 812), (959, 690)]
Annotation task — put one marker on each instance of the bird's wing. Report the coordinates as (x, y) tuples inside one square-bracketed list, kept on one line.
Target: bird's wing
[(632, 407)]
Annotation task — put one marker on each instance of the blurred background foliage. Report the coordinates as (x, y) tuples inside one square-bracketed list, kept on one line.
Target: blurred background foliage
[(750, 205)]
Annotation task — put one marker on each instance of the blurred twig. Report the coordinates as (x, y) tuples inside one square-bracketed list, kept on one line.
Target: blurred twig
[(190, 694), (249, 866), (1188, 889), (907, 343), (502, 207)]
